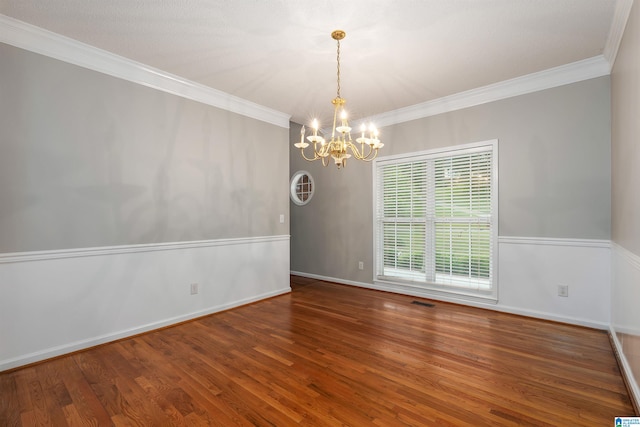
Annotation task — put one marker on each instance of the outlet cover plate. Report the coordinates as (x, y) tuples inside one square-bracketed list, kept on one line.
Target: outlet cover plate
[(563, 290)]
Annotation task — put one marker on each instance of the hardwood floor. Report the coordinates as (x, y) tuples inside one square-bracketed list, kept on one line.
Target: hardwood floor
[(333, 355)]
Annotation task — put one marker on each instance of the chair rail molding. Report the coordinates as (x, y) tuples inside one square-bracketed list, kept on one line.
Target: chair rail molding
[(529, 272), (57, 302)]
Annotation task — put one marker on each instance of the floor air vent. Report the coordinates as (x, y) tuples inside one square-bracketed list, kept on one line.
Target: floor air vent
[(426, 304)]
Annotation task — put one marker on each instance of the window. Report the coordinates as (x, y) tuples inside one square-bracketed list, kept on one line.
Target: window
[(301, 188), (436, 219)]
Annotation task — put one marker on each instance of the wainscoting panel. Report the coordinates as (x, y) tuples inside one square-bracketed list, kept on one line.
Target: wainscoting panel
[(529, 272), (55, 302), (625, 315), (531, 269)]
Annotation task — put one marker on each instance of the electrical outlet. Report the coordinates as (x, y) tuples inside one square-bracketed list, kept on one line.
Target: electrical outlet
[(281, 218), (360, 265), (194, 288), (563, 290)]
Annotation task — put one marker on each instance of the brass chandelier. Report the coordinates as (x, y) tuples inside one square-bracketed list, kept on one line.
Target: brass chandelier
[(340, 147)]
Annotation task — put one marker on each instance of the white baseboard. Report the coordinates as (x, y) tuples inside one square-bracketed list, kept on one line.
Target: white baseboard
[(56, 302), (529, 272), (625, 368), (600, 274), (461, 301), (95, 341), (625, 318)]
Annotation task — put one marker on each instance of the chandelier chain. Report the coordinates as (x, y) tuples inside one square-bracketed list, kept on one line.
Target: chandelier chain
[(338, 73)]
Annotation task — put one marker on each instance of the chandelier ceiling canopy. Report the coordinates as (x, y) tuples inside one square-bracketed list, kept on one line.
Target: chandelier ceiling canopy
[(340, 147)]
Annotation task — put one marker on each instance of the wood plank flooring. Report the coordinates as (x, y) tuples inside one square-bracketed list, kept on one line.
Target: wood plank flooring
[(331, 355)]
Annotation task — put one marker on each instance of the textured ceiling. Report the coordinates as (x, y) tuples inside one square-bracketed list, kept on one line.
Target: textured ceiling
[(279, 53)]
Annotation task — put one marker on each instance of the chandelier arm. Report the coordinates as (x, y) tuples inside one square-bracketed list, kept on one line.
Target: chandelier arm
[(363, 150), (375, 154), (317, 153), (307, 158), (372, 154), (369, 159), (360, 155), (323, 151), (372, 151), (356, 153)]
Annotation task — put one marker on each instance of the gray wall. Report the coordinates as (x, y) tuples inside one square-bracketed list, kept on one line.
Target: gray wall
[(625, 131), (625, 198), (334, 230), (89, 160), (554, 175)]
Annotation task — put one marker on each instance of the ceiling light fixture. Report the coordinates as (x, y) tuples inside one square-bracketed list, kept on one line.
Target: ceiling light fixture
[(340, 144)]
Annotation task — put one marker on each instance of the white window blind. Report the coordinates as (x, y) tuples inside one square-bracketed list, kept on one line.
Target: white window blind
[(435, 216)]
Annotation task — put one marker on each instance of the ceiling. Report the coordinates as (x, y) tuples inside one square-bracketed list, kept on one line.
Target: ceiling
[(279, 53)]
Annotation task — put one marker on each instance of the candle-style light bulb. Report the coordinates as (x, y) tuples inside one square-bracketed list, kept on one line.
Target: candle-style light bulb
[(302, 134), (315, 127), (343, 116), (363, 128)]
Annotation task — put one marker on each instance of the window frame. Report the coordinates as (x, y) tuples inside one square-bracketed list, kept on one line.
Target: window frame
[(429, 288), (301, 196)]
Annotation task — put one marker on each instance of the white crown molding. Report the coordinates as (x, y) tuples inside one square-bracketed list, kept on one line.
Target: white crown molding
[(126, 249), (38, 40), (565, 74), (620, 18), (47, 43)]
